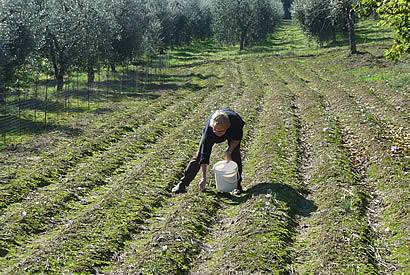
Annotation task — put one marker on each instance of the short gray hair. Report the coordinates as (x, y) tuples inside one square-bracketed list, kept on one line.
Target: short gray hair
[(220, 118)]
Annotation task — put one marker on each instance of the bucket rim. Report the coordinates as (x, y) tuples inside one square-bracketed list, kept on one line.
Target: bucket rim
[(235, 168)]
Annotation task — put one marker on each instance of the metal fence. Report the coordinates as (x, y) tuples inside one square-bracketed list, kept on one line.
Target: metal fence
[(39, 105)]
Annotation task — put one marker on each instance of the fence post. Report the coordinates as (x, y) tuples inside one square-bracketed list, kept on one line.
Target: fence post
[(5, 115), (107, 77), (99, 86), (136, 77), (35, 99), (19, 103), (64, 95), (78, 91), (68, 97), (88, 94), (122, 79), (46, 103), (146, 74)]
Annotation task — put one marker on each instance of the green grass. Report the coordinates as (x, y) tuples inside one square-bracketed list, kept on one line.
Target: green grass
[(288, 40)]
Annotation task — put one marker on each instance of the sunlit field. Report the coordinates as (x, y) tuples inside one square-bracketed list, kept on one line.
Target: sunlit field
[(325, 157)]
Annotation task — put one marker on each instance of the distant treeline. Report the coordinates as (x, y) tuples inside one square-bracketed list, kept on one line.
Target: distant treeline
[(55, 36)]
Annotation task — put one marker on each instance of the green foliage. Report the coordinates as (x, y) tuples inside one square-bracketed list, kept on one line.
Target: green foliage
[(245, 21), (17, 41), (396, 14), (127, 24), (321, 20), (176, 23), (99, 201), (287, 4), (313, 17)]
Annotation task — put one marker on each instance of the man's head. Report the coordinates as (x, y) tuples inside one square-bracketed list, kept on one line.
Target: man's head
[(220, 123)]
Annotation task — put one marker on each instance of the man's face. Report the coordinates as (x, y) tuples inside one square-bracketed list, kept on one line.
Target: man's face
[(219, 131)]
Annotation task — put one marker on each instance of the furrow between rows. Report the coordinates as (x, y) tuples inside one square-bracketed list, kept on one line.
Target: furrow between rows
[(47, 208), (93, 235), (382, 162), (254, 233), (386, 103), (335, 238), (53, 165), (389, 119), (173, 240)]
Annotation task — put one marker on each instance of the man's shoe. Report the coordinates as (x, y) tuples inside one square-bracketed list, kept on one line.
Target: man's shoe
[(179, 188), (238, 191)]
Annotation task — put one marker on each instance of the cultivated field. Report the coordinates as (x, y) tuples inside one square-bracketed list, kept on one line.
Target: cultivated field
[(326, 160)]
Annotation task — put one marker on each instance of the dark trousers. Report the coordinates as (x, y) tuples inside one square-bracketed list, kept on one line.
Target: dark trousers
[(193, 166)]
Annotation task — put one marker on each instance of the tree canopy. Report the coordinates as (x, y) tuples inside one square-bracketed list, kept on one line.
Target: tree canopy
[(244, 21), (85, 34), (323, 20), (395, 13), (16, 38)]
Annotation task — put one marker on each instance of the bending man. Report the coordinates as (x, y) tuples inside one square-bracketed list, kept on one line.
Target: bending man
[(222, 125)]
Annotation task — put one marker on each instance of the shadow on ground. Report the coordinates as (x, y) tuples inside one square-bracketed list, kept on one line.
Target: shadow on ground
[(297, 203)]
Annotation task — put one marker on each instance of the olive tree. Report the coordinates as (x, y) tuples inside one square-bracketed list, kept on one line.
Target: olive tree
[(322, 20), (199, 20), (345, 8), (16, 37), (183, 21), (127, 21), (395, 13), (68, 33), (313, 17), (287, 4), (4, 55), (244, 21)]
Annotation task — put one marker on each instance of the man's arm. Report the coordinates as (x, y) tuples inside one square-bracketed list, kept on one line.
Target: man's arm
[(231, 147), (202, 182)]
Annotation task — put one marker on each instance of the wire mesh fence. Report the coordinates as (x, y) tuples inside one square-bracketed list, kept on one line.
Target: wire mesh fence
[(41, 105)]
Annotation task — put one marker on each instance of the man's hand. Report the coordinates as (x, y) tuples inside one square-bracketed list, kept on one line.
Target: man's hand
[(228, 155), (202, 184)]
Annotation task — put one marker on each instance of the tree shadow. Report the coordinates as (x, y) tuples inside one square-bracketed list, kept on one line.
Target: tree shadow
[(295, 199), (12, 125)]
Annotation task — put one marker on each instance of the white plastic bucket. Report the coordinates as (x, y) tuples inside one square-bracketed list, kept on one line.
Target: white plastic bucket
[(226, 175)]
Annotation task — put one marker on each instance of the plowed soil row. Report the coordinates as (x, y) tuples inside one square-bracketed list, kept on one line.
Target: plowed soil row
[(374, 134), (325, 174)]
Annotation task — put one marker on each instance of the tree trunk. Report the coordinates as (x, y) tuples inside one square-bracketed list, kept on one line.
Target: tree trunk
[(350, 25), (59, 72), (113, 67), (60, 80), (287, 4), (91, 74), (242, 42)]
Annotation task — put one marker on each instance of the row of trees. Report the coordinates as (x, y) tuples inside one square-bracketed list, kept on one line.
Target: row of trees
[(324, 20), (245, 21), (58, 35), (85, 34)]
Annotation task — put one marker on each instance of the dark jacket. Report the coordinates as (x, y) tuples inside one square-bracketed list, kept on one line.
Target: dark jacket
[(234, 132)]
